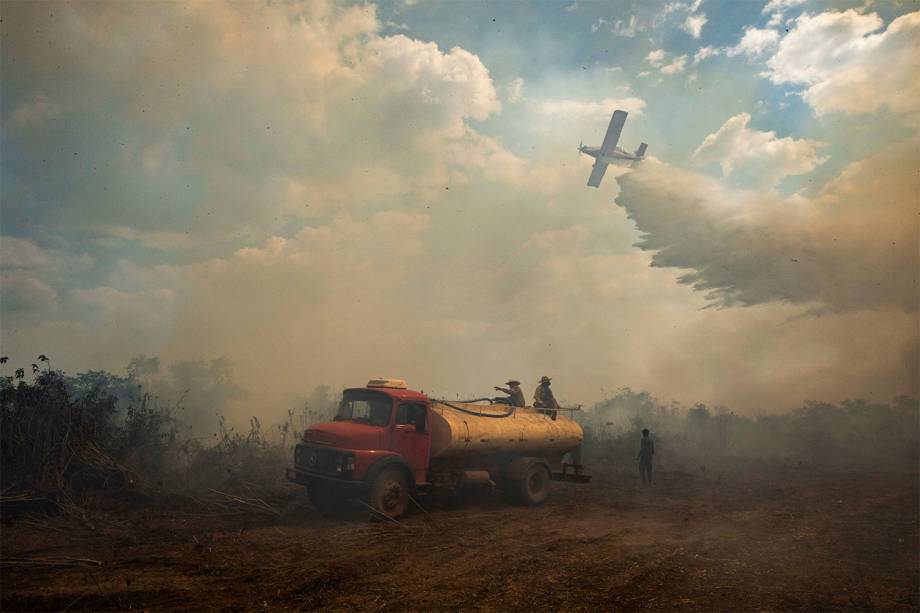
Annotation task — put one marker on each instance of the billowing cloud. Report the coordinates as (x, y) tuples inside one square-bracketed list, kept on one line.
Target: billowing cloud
[(515, 90), (846, 68), (759, 158), (23, 254), (627, 28), (852, 246), (754, 43), (677, 65), (774, 6), (294, 188), (656, 57), (592, 109), (298, 99), (693, 25), (37, 110), (704, 53), (19, 253), (25, 298)]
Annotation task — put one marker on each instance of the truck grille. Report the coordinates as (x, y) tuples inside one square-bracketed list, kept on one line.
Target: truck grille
[(314, 459)]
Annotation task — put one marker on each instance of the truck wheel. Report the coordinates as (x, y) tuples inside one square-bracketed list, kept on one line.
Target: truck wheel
[(534, 487), (389, 495), (324, 499)]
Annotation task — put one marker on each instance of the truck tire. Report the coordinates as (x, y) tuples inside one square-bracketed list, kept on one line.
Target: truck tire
[(324, 499), (389, 494), (534, 487)]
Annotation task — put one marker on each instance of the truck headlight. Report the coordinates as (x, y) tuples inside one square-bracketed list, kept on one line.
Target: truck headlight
[(345, 463)]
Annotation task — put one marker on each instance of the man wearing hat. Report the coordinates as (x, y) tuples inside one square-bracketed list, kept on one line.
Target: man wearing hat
[(543, 396), (515, 395)]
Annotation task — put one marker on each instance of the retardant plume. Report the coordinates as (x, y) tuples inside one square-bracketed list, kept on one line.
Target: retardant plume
[(851, 246)]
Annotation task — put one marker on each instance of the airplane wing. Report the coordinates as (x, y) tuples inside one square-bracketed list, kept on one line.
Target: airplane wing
[(613, 133), (597, 173)]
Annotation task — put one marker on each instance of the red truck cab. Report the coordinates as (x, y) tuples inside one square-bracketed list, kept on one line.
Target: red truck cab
[(378, 440)]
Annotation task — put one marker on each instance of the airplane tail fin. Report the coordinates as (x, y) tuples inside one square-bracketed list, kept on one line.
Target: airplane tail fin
[(641, 150)]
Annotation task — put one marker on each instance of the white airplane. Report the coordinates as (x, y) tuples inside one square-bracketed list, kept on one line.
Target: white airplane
[(608, 152)]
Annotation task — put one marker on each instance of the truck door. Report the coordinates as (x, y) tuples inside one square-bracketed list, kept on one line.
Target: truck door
[(411, 438)]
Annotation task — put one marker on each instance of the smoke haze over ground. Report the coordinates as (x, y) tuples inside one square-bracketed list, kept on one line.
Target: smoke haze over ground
[(318, 195)]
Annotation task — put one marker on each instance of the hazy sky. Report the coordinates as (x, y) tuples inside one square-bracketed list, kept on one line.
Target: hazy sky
[(326, 192)]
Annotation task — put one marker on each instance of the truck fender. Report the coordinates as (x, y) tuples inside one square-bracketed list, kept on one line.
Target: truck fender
[(390, 461), (518, 466)]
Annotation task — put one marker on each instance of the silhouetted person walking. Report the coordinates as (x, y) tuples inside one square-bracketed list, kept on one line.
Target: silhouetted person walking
[(646, 451)]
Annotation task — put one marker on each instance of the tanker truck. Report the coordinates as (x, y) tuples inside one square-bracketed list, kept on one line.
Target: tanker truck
[(388, 443)]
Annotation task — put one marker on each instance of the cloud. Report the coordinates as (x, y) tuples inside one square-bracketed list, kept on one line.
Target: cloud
[(676, 66), (161, 240), (627, 29), (179, 166), (774, 6), (347, 219), (757, 158), (579, 109), (656, 58), (515, 90), (846, 68), (852, 246), (776, 19), (456, 81), (20, 253), (693, 25), (36, 110), (754, 43), (704, 53), (25, 298), (23, 254)]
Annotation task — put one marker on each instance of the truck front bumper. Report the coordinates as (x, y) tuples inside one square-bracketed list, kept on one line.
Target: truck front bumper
[(348, 487)]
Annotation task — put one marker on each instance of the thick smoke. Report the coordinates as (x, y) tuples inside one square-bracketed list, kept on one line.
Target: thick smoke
[(319, 206), (852, 246)]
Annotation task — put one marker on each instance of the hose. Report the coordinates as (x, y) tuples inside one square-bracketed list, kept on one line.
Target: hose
[(474, 413)]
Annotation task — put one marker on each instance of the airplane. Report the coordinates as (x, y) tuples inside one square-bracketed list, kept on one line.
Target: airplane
[(608, 152)]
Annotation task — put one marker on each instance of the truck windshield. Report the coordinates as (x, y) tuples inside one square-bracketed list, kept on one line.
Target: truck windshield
[(368, 407)]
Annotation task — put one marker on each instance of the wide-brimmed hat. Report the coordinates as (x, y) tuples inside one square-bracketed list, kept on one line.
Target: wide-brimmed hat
[(512, 382), (545, 379)]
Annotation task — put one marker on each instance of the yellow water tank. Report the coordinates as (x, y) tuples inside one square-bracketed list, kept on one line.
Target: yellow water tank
[(459, 429)]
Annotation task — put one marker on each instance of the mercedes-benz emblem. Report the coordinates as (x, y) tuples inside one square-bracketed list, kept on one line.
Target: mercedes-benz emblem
[(312, 459)]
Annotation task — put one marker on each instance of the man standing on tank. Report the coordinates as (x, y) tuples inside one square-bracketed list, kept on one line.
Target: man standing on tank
[(646, 451)]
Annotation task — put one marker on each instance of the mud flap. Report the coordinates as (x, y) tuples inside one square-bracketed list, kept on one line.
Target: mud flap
[(572, 473)]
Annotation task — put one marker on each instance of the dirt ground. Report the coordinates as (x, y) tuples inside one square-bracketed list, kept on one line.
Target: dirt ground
[(786, 540)]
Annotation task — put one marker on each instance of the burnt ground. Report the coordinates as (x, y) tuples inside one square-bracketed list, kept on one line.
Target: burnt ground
[(786, 540)]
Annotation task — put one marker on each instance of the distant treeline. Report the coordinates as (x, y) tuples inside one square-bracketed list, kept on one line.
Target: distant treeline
[(850, 433), (65, 433)]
